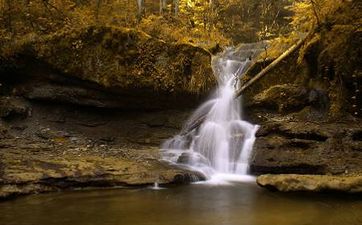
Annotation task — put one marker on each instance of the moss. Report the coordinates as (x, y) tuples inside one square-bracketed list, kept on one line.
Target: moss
[(328, 62), (126, 58)]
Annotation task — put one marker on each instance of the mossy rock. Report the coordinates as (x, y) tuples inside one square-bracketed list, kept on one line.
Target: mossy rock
[(126, 59), (282, 98)]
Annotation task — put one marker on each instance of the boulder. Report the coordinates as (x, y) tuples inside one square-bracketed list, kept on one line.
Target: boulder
[(311, 183)]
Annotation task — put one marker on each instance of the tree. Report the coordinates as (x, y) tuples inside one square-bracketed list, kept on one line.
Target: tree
[(98, 6), (141, 8), (163, 6), (8, 15), (176, 7)]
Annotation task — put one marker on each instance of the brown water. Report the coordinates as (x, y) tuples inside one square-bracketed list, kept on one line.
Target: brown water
[(241, 204)]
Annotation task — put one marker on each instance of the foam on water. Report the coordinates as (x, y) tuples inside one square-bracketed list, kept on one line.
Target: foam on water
[(227, 179)]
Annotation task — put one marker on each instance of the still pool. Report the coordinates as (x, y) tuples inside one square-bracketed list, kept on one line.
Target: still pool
[(195, 204)]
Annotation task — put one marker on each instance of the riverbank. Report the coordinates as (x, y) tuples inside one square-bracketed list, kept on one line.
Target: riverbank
[(29, 167)]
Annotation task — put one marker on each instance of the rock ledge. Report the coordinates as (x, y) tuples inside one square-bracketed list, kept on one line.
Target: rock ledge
[(311, 183)]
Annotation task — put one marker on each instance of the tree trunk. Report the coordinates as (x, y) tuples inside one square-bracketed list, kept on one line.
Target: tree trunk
[(176, 7), (292, 49), (271, 65), (98, 2), (163, 6), (141, 8), (9, 19), (314, 7)]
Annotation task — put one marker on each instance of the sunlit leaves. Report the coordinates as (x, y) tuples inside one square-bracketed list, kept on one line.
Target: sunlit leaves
[(311, 13)]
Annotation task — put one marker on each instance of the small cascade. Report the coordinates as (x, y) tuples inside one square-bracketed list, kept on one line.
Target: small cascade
[(156, 186), (223, 141)]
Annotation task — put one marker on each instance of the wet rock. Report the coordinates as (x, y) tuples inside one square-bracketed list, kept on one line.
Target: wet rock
[(3, 131), (189, 177), (14, 106), (33, 167), (8, 190), (288, 146), (195, 159), (282, 98), (311, 183)]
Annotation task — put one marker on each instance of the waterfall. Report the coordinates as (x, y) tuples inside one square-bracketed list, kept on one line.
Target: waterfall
[(223, 141)]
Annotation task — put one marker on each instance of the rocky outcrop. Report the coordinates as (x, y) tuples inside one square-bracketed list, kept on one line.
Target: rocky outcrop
[(287, 146), (50, 146), (32, 167), (297, 134), (108, 67), (13, 106), (281, 98), (311, 183), (90, 107), (309, 105)]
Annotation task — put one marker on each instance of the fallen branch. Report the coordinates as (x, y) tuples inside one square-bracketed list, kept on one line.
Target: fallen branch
[(201, 119), (195, 125), (255, 64), (271, 65)]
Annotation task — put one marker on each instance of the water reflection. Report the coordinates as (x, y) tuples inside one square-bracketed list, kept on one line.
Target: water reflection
[(241, 204)]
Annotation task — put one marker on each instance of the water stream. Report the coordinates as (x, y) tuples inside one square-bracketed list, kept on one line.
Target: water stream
[(216, 140), (196, 204)]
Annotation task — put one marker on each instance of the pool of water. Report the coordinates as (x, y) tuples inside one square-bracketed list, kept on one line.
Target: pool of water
[(196, 204)]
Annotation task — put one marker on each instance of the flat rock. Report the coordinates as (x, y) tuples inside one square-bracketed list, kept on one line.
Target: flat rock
[(311, 183), (42, 167)]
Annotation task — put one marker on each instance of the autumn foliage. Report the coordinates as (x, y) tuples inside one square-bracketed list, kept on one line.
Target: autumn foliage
[(198, 21)]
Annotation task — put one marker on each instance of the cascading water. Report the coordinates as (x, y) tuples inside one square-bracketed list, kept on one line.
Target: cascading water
[(222, 142)]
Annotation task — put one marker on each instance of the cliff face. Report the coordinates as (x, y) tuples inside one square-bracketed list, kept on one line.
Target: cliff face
[(124, 62), (310, 105), (127, 59), (90, 108)]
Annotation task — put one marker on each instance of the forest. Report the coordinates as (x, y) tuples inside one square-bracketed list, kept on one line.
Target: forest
[(208, 109), (198, 21)]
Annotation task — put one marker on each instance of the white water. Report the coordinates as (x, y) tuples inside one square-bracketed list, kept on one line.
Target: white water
[(221, 146), (156, 186)]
